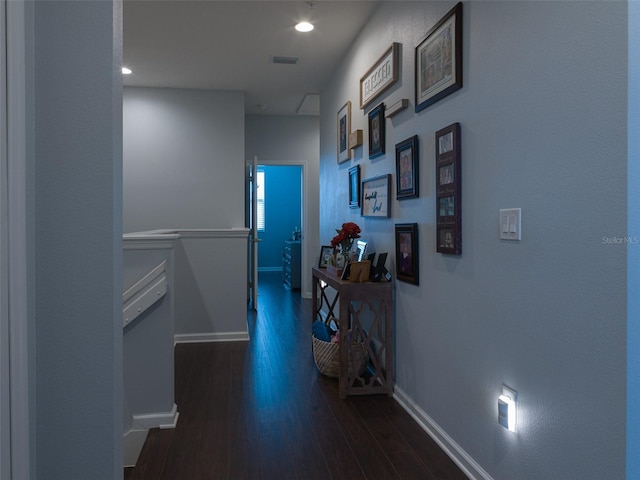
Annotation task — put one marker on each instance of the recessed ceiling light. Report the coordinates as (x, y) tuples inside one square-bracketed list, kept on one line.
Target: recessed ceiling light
[(126, 71), (304, 27)]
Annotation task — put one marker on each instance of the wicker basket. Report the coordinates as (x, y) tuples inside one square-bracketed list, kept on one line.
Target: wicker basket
[(327, 357)]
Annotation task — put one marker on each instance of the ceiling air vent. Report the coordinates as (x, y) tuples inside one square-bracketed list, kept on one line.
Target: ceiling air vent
[(285, 60)]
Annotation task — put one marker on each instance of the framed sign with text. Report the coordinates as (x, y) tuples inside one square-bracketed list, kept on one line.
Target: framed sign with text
[(381, 76)]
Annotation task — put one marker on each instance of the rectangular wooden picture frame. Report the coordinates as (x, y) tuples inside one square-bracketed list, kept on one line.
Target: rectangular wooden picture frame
[(354, 187), (377, 132), (407, 169), (382, 75), (343, 131), (376, 197), (407, 266), (448, 190), (438, 60)]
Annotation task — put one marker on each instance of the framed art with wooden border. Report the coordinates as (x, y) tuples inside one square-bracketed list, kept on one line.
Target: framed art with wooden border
[(354, 187), (407, 267), (407, 169), (376, 131), (376, 198), (326, 252), (438, 60), (380, 76), (448, 190), (343, 131)]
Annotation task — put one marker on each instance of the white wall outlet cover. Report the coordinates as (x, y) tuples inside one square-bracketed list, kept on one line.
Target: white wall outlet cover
[(510, 224)]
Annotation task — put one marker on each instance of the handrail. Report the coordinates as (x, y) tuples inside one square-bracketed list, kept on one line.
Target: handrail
[(144, 293)]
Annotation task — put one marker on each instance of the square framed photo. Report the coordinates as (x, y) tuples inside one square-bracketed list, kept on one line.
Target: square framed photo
[(376, 199), (448, 190), (354, 187), (407, 169), (438, 60), (343, 131), (376, 131), (326, 252), (407, 266)]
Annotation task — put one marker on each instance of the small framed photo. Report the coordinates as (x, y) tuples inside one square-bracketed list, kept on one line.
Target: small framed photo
[(361, 248), (448, 190), (407, 168), (376, 200), (343, 131), (438, 60), (376, 131), (407, 252), (354, 187), (326, 253)]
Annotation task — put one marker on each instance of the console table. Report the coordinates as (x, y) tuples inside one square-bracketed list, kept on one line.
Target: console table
[(365, 310)]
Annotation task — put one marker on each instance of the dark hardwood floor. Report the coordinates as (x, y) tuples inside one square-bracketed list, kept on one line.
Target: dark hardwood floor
[(260, 410)]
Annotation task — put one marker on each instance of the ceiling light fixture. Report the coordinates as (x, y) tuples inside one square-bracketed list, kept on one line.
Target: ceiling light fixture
[(126, 71), (306, 26)]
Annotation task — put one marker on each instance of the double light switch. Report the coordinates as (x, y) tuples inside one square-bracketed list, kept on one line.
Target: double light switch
[(510, 224)]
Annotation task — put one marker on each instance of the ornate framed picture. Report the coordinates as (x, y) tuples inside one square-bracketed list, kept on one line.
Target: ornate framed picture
[(376, 201), (407, 267), (376, 131), (354, 187), (343, 131), (448, 190), (438, 60), (407, 168)]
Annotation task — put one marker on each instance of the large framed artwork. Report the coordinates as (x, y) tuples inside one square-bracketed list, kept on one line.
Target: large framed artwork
[(343, 131), (448, 191), (438, 60)]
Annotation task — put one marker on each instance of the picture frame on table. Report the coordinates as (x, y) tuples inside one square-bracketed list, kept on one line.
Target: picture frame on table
[(407, 169), (438, 60), (354, 187), (343, 131), (448, 190), (376, 196), (377, 132), (407, 266), (326, 252)]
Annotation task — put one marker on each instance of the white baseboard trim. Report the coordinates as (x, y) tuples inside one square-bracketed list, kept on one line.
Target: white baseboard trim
[(467, 464), (211, 337), (163, 420), (132, 444)]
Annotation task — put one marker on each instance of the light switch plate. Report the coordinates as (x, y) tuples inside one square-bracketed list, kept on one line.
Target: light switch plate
[(510, 224)]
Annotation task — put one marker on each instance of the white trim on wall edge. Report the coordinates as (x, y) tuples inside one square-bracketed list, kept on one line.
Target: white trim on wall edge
[(461, 458), (211, 337), (132, 443), (162, 420)]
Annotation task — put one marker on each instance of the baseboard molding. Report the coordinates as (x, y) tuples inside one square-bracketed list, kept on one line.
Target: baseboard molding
[(132, 444), (162, 420), (467, 464), (211, 337)]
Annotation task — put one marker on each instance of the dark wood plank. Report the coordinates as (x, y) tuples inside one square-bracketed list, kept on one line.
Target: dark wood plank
[(260, 410)]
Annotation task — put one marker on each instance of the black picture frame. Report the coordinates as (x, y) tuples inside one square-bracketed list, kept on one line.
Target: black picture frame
[(326, 251), (407, 169), (407, 254), (438, 60), (354, 187), (343, 130), (377, 134), (448, 190)]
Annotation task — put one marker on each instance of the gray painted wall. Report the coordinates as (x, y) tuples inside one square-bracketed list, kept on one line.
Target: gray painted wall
[(282, 140), (183, 159), (543, 116), (77, 121)]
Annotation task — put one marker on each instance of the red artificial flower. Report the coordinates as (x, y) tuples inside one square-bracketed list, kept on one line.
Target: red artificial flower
[(347, 234)]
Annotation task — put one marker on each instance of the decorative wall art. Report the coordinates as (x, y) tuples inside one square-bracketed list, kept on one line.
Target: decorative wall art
[(380, 76), (377, 132), (407, 168), (343, 131), (407, 267), (448, 190), (376, 200), (354, 187), (438, 60)]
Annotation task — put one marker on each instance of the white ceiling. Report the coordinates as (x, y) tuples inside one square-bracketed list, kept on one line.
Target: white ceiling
[(228, 45)]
